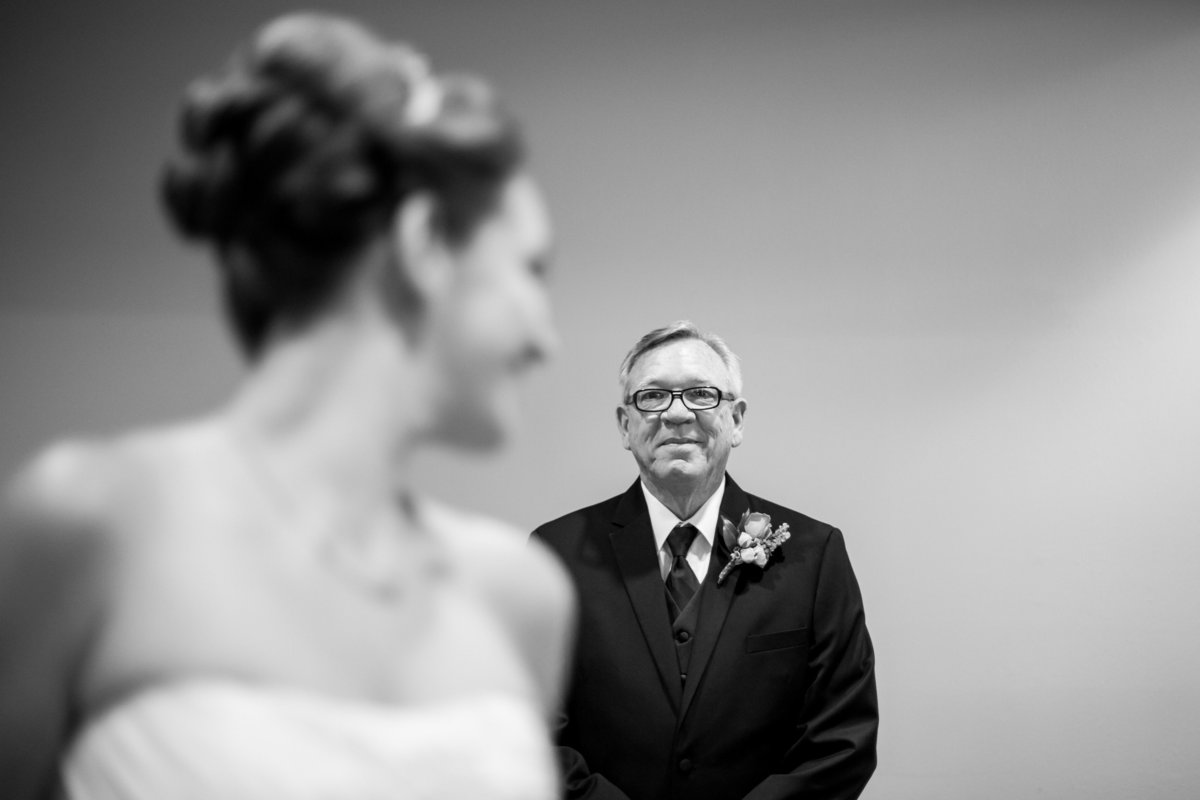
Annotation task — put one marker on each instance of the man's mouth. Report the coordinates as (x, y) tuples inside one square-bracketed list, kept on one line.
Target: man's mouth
[(678, 441)]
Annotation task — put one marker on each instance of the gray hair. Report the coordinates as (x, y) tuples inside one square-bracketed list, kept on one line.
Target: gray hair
[(677, 331)]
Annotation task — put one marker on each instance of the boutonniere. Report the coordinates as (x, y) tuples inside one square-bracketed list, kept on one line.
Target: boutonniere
[(751, 541)]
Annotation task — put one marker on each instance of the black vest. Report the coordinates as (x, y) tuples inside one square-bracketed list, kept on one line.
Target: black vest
[(683, 630)]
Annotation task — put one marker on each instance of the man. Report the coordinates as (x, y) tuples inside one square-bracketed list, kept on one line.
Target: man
[(761, 686)]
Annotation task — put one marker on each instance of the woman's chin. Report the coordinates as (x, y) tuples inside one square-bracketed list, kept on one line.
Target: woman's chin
[(485, 425), (479, 435)]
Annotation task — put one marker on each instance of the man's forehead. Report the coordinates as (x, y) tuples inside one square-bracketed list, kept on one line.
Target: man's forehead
[(691, 356)]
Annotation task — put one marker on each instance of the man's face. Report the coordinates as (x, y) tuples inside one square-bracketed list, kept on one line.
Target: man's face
[(679, 447)]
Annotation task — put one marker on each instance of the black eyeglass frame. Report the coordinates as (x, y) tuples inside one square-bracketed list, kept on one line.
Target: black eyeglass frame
[(632, 399)]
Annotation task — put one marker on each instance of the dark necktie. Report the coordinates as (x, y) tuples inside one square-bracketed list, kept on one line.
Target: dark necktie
[(681, 581)]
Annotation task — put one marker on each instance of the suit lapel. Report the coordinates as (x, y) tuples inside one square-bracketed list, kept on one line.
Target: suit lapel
[(716, 599), (633, 543)]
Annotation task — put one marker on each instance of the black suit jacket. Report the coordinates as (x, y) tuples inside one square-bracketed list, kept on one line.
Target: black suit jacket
[(779, 700)]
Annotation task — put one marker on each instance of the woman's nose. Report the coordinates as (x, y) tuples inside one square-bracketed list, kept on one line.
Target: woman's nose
[(542, 341)]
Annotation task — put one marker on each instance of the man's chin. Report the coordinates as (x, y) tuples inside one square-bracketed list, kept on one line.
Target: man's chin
[(680, 469)]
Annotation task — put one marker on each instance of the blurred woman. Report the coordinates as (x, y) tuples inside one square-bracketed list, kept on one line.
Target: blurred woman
[(254, 603)]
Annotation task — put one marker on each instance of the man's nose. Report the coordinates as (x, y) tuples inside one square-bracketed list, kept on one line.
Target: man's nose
[(677, 412)]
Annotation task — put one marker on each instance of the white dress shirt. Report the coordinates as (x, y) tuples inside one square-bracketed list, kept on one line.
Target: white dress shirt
[(663, 521)]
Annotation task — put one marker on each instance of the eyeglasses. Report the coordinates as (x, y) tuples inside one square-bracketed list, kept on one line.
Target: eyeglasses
[(695, 398)]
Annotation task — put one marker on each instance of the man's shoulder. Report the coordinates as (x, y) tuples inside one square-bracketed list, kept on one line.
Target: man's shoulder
[(799, 524), (581, 519)]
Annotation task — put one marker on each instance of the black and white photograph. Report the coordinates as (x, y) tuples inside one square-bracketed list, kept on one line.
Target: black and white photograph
[(629, 400)]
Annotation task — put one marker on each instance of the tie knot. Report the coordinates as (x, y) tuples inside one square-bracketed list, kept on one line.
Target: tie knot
[(679, 541)]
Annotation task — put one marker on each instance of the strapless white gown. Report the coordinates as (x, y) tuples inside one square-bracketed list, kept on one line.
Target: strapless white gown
[(224, 740)]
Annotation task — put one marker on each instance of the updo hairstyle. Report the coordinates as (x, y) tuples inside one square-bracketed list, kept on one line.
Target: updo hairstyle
[(302, 150)]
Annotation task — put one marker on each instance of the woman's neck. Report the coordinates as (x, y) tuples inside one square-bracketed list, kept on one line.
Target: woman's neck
[(332, 413)]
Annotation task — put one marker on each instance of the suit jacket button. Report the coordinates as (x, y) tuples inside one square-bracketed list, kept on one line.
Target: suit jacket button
[(685, 765), (682, 636)]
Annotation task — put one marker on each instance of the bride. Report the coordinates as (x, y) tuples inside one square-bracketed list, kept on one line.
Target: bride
[(254, 603)]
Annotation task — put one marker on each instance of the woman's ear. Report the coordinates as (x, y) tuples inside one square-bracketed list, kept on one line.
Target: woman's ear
[(424, 257)]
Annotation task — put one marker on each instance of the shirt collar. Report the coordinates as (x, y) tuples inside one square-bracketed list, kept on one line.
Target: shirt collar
[(663, 519)]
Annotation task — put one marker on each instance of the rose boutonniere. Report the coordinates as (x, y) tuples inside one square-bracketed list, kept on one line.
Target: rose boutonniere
[(751, 541)]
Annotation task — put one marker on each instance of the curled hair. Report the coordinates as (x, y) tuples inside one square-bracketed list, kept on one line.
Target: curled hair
[(301, 151), (677, 331)]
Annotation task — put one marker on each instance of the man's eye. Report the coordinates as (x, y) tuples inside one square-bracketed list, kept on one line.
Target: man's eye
[(652, 395)]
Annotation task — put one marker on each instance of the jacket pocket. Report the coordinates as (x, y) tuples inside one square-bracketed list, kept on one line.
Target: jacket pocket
[(762, 642)]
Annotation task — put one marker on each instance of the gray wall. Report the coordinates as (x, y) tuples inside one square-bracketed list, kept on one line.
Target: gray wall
[(955, 243)]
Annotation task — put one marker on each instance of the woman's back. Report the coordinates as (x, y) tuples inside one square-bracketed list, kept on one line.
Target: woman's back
[(189, 584), (208, 568)]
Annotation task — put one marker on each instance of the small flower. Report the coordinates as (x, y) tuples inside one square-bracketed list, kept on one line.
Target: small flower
[(757, 525), (754, 543)]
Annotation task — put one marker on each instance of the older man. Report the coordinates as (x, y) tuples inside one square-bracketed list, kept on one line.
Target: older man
[(689, 684)]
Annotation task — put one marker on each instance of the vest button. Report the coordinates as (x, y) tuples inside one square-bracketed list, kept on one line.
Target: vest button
[(685, 765), (682, 636)]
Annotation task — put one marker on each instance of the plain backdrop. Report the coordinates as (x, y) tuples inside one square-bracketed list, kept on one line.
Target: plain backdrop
[(957, 245)]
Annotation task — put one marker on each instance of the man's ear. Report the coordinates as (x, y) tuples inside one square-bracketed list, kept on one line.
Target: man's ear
[(623, 426), (738, 409), (423, 254)]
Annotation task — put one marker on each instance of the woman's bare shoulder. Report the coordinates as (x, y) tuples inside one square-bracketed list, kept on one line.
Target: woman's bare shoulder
[(522, 582), (56, 552), (498, 555), (64, 490), (82, 488)]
